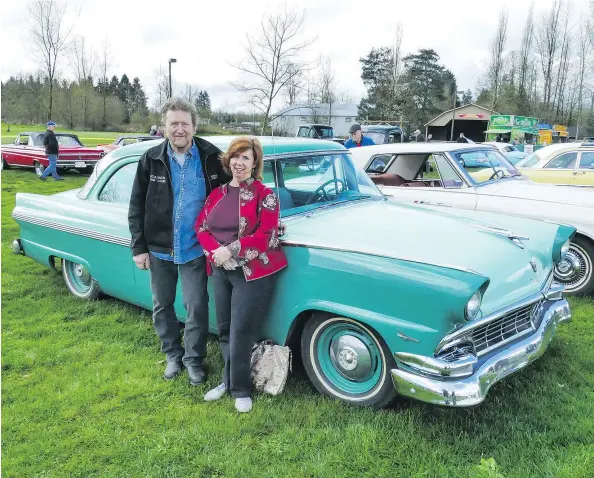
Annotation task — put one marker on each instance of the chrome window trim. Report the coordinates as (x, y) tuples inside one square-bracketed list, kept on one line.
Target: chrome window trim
[(577, 157)]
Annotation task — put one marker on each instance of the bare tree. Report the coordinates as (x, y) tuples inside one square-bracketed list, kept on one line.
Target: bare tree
[(190, 93), (547, 45), (294, 86), (272, 59), (50, 39), (562, 71), (104, 64), (524, 61), (327, 86), (496, 62), (162, 86), (83, 64), (585, 43)]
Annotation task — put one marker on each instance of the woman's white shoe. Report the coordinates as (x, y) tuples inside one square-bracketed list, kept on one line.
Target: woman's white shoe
[(215, 393), (243, 405)]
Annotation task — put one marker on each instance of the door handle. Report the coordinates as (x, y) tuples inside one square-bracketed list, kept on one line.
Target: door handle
[(576, 173)]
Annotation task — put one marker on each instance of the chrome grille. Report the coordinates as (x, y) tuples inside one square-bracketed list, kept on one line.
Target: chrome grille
[(509, 327), (455, 353)]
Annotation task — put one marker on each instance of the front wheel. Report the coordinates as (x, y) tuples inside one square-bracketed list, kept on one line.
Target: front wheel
[(79, 281), (346, 360), (39, 168), (575, 271), (4, 164)]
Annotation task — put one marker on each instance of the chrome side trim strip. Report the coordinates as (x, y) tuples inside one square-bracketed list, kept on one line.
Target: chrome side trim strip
[(99, 236), (310, 245)]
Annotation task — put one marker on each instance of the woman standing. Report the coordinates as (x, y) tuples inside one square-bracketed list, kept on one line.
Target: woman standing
[(238, 229)]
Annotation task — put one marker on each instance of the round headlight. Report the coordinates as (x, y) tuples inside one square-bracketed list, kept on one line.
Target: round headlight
[(474, 305), (565, 249)]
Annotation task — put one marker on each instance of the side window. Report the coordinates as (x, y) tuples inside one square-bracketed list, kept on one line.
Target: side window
[(587, 161), (449, 176), (128, 141), (24, 140), (563, 161), (507, 149), (119, 187), (302, 132), (379, 163), (428, 171), (268, 173)]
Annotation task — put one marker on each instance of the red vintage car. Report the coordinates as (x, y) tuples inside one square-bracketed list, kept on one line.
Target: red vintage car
[(27, 151)]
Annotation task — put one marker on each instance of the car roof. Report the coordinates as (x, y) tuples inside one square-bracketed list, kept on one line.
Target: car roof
[(270, 145), (31, 133), (560, 147), (380, 127), (420, 147)]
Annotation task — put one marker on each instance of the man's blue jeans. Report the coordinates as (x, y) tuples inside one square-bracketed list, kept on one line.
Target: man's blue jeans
[(51, 169)]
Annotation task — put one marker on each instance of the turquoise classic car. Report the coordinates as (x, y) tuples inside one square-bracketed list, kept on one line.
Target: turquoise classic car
[(382, 298)]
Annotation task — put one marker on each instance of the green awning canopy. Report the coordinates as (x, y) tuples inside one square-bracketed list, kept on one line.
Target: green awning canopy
[(498, 130), (527, 130)]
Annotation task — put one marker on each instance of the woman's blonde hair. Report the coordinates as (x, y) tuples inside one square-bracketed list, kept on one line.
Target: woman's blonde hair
[(240, 145)]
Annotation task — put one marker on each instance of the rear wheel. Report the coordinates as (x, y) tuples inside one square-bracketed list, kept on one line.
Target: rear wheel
[(4, 164), (575, 271), (79, 281), (39, 168), (344, 359)]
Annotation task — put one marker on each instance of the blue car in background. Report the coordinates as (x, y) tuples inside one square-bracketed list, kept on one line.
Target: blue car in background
[(513, 154)]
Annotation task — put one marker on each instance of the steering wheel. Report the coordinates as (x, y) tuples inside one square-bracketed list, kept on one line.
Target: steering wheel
[(498, 173), (321, 192)]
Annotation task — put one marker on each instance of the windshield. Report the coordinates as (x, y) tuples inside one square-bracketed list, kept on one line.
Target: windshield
[(529, 161), (484, 165), (67, 141), (304, 183), (324, 132), (378, 138)]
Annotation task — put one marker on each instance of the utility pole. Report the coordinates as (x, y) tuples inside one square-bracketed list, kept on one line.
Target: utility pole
[(171, 60), (454, 113)]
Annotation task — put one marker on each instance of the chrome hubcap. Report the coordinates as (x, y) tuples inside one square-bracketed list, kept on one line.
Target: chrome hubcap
[(78, 270), (351, 357), (575, 269)]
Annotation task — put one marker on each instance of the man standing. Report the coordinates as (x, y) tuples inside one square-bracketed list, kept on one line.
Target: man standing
[(51, 150), (172, 182), (357, 139), (462, 139)]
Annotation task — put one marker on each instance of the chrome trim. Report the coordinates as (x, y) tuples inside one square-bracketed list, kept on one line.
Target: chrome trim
[(434, 366), (295, 154), (473, 389), (121, 241), (289, 243), (405, 337), (555, 292), (469, 326), (517, 240)]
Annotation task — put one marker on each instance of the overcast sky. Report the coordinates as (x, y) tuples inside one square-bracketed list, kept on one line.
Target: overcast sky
[(206, 37)]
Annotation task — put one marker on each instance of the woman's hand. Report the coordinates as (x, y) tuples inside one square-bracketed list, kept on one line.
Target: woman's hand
[(221, 255)]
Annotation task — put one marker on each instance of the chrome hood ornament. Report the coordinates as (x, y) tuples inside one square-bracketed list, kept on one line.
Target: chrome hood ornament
[(515, 238)]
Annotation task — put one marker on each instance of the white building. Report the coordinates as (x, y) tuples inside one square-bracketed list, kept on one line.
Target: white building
[(339, 116)]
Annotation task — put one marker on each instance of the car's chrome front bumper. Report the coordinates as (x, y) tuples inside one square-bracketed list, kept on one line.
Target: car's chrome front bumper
[(412, 380)]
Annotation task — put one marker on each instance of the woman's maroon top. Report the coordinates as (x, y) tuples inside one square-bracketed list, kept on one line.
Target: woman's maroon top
[(223, 220)]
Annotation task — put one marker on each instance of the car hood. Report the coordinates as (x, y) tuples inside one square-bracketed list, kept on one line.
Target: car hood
[(437, 237), (527, 189)]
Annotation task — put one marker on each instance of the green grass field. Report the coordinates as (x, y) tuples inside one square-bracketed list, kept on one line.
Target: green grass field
[(82, 396)]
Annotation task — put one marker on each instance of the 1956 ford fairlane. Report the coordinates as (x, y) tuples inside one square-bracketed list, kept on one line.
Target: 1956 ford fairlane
[(383, 298)]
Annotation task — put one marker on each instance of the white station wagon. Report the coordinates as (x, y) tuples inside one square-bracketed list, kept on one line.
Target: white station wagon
[(479, 178)]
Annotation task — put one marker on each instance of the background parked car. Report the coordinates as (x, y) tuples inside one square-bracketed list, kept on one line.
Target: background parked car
[(477, 177), (513, 154), (569, 164), (127, 140), (424, 324), (27, 151)]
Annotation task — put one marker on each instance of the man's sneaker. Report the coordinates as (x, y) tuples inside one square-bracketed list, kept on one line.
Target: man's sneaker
[(243, 405), (215, 393), (172, 370), (59, 179), (43, 178)]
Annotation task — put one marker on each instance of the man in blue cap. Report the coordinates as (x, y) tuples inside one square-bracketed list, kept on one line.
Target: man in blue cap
[(51, 150)]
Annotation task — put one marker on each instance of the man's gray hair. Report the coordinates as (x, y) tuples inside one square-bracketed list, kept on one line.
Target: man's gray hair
[(179, 104)]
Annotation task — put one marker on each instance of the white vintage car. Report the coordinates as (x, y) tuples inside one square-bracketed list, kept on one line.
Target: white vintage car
[(437, 175)]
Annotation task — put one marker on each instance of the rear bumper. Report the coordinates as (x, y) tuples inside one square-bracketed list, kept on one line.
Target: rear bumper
[(72, 164), (414, 382)]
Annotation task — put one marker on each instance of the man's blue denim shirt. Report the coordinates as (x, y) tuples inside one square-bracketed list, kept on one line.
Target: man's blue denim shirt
[(189, 194)]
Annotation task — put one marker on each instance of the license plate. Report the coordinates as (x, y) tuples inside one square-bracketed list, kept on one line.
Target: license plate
[(80, 164)]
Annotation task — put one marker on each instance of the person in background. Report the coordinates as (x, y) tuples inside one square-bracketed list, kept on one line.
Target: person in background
[(159, 132), (51, 150), (357, 139), (462, 139), (171, 184), (238, 229), (153, 130)]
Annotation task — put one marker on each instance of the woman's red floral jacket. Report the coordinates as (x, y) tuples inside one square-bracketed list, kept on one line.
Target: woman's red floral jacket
[(257, 249)]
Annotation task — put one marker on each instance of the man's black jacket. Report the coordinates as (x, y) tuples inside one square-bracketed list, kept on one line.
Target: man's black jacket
[(50, 142), (150, 216)]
